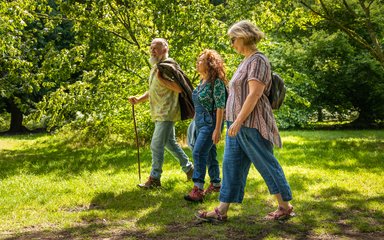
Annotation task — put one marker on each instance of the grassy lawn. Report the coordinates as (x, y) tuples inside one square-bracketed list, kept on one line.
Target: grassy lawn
[(50, 188)]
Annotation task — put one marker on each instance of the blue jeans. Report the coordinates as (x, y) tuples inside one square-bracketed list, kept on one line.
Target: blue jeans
[(205, 155), (247, 147), (204, 151), (164, 137)]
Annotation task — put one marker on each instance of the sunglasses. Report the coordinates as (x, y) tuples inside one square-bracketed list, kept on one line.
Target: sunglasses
[(233, 40)]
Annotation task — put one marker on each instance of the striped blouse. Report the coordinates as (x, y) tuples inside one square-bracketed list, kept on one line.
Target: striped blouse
[(254, 68)]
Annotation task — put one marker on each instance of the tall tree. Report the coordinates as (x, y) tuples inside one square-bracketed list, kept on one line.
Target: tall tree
[(38, 56), (361, 20)]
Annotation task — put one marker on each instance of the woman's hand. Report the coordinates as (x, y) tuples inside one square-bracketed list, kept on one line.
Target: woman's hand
[(256, 89), (219, 122), (216, 135), (234, 129)]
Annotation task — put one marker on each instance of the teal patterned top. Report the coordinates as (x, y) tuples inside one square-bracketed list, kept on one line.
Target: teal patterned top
[(219, 96)]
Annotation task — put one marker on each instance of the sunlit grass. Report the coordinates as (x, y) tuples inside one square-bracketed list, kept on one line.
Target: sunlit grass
[(51, 187)]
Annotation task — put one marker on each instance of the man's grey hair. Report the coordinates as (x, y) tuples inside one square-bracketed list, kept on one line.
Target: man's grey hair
[(162, 41)]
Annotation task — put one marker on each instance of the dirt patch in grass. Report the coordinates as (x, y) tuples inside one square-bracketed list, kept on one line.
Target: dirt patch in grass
[(115, 231)]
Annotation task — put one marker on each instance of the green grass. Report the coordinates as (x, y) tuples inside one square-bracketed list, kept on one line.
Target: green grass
[(53, 189)]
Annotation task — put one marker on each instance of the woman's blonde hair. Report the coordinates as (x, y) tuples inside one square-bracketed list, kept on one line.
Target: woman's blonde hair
[(215, 65), (247, 31)]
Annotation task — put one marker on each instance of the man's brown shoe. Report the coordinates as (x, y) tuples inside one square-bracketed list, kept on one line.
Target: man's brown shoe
[(151, 183), (190, 174)]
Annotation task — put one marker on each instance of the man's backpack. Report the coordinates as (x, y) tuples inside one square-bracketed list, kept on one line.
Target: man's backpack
[(277, 93)]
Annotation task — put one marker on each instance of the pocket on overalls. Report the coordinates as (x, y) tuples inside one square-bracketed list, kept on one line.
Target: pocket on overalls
[(208, 119)]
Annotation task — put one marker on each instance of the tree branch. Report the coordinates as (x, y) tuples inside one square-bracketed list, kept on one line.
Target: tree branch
[(325, 8), (125, 69), (372, 34), (370, 3), (312, 10), (45, 16), (375, 51), (126, 23), (117, 35), (349, 9)]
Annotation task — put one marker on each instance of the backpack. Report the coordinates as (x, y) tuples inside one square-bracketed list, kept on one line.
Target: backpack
[(277, 93)]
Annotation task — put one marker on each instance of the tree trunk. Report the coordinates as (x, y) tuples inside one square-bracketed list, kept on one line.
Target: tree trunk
[(364, 120), (16, 119), (320, 115)]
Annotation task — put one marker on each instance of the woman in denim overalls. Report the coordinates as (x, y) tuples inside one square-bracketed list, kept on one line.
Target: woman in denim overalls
[(209, 100)]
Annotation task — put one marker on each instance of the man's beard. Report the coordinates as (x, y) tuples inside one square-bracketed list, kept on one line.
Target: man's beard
[(154, 60)]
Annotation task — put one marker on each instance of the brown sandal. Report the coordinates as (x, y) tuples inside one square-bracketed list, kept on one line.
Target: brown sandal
[(218, 218), (280, 214)]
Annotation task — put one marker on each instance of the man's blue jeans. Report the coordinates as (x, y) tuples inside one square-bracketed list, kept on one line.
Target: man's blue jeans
[(247, 147), (164, 137)]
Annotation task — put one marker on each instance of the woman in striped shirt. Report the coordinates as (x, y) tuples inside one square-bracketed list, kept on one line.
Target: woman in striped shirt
[(252, 129)]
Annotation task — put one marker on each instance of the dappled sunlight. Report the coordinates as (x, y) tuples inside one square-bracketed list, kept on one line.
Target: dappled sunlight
[(150, 209), (347, 153), (31, 142), (293, 140), (8, 145)]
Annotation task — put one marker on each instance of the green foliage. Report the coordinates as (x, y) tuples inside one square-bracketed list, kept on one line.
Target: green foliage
[(5, 119), (75, 63), (40, 55), (326, 59), (341, 77), (119, 41), (362, 21)]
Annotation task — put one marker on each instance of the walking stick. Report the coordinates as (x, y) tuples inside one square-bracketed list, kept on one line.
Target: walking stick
[(137, 141)]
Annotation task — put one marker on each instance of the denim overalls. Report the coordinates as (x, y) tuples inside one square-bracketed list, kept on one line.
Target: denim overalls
[(204, 151)]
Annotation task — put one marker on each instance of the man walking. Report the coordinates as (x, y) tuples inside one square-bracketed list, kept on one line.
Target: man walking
[(163, 99)]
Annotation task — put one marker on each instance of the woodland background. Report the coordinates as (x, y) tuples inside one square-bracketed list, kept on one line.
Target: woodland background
[(70, 65)]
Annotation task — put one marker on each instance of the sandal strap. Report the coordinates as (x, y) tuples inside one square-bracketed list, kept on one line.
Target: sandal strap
[(203, 214), (272, 214), (280, 213), (286, 211), (219, 215)]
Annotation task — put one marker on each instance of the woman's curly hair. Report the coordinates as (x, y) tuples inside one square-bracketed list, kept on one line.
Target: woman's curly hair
[(214, 64)]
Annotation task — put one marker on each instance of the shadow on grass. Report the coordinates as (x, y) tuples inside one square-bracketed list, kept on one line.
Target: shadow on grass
[(59, 157), (345, 154), (95, 230), (164, 208), (332, 214), (346, 213)]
